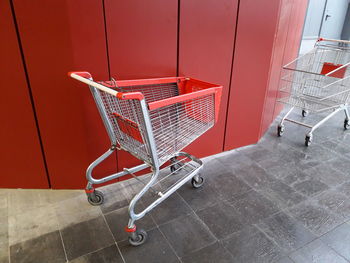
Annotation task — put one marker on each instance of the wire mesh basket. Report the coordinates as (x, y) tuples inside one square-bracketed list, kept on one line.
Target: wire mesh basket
[(318, 80), (180, 110)]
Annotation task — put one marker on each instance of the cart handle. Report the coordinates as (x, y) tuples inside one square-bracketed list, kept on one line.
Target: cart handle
[(86, 78), (333, 40)]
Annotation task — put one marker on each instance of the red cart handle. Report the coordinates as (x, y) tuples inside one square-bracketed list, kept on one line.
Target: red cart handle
[(86, 78), (333, 40)]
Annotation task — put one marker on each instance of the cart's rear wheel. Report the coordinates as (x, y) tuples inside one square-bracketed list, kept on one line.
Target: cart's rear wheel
[(280, 130), (96, 198), (141, 238), (176, 165), (304, 113), (308, 140), (198, 184), (346, 124)]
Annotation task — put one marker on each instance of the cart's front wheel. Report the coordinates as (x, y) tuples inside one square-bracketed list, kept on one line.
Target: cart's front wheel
[(308, 140), (346, 124), (304, 113), (96, 198), (199, 183), (141, 237), (280, 130)]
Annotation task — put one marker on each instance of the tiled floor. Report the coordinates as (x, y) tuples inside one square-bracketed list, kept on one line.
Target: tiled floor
[(276, 201)]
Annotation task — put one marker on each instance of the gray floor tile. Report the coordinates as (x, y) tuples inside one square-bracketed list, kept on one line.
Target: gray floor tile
[(339, 240), (327, 175), (340, 164), (86, 237), (31, 224), (253, 207), (228, 186), (316, 252), (173, 207), (310, 187), (255, 176), (345, 188), (118, 220), (75, 210), (335, 201), (4, 240), (235, 159), (251, 245), (199, 198), (287, 233), (43, 249), (337, 146), (186, 234), (215, 167), (317, 219), (114, 198), (284, 195), (222, 219), (285, 260), (213, 253), (106, 255), (156, 249)]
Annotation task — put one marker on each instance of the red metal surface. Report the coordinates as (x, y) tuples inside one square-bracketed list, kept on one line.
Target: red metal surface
[(251, 66), (22, 164), (296, 24), (207, 31), (329, 67), (60, 36), (276, 65), (142, 42)]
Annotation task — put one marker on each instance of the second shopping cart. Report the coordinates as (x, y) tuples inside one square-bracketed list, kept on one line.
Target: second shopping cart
[(317, 82)]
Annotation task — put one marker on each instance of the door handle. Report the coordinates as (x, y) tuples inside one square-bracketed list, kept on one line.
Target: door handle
[(327, 16)]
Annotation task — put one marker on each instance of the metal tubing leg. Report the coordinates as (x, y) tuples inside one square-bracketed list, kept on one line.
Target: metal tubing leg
[(324, 120), (347, 117), (285, 116)]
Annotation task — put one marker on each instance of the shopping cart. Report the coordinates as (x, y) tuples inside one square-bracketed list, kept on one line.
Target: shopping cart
[(153, 119), (318, 81)]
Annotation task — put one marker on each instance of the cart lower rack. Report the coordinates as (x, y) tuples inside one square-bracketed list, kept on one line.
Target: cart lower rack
[(152, 119), (318, 81)]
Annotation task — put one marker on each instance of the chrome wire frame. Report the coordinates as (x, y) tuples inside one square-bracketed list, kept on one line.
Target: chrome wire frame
[(312, 128), (154, 163)]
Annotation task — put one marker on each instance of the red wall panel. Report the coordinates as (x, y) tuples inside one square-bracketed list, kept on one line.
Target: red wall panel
[(276, 65), (22, 163), (296, 25), (142, 43), (251, 66), (60, 36), (207, 31)]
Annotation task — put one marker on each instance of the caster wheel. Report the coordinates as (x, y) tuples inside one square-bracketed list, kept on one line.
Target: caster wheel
[(308, 140), (141, 237), (280, 130), (175, 167), (304, 113), (96, 198), (198, 184), (346, 124)]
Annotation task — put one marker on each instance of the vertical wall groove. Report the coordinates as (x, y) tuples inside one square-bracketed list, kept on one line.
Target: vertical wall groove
[(29, 90)]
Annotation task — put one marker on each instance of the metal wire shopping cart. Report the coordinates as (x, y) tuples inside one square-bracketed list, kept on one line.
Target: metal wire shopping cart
[(318, 81), (153, 119)]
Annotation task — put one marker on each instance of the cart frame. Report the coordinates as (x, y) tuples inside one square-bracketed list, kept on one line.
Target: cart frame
[(95, 197), (334, 109)]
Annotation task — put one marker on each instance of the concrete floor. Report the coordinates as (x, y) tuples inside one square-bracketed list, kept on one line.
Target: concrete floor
[(276, 201)]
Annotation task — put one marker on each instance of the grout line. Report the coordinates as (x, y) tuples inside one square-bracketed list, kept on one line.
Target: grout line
[(64, 248), (171, 247), (115, 242)]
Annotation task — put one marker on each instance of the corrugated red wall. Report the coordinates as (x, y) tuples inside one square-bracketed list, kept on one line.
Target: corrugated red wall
[(232, 43)]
